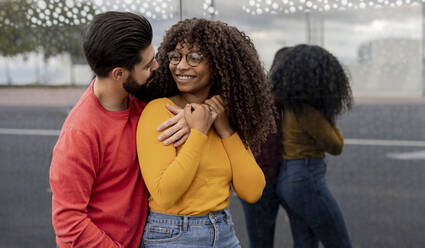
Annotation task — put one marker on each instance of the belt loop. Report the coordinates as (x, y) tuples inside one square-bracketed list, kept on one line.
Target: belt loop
[(185, 223), (212, 218), (227, 213)]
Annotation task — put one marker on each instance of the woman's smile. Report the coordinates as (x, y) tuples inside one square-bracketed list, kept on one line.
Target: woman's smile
[(185, 77)]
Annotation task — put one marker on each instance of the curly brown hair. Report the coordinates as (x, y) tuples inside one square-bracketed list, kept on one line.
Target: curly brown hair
[(236, 73), (309, 75)]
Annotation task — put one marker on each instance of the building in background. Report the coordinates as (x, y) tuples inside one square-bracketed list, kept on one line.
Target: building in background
[(390, 66)]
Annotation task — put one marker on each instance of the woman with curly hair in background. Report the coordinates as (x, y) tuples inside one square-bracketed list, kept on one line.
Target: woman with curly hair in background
[(213, 71), (311, 90)]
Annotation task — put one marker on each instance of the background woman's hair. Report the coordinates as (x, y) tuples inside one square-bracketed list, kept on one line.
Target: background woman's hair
[(310, 75), (236, 72)]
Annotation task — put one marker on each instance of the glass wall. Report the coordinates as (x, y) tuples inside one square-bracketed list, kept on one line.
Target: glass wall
[(380, 41)]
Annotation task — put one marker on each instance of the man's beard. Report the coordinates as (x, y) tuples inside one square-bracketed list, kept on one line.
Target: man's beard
[(131, 85)]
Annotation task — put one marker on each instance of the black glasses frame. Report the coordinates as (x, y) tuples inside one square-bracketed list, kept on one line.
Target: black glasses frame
[(187, 56)]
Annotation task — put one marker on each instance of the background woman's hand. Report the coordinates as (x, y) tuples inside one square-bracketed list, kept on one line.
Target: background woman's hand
[(199, 117), (221, 123)]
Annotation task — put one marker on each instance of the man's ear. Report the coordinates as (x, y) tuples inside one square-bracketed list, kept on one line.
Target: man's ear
[(119, 74)]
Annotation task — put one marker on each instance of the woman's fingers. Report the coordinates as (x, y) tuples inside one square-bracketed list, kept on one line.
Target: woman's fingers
[(219, 104), (212, 105), (187, 112), (200, 117)]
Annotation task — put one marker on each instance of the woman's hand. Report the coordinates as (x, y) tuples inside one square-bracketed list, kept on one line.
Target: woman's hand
[(199, 117), (221, 123)]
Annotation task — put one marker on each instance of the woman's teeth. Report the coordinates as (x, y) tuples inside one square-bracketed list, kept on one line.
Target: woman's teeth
[(184, 77)]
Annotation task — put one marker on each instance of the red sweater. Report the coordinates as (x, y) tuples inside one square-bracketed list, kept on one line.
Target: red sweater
[(99, 197)]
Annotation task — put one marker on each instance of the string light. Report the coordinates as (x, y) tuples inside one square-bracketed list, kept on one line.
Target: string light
[(48, 13), (152, 9), (261, 7), (209, 8)]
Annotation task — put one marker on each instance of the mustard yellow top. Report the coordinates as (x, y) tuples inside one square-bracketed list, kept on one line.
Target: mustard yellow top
[(309, 135), (195, 178)]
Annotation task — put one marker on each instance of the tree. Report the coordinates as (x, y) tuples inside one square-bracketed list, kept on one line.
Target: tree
[(59, 26), (51, 27), (15, 35)]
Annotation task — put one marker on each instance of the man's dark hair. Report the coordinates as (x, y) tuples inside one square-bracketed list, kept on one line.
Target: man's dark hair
[(115, 39)]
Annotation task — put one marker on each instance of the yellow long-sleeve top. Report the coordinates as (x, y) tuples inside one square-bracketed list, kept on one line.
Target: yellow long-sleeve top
[(309, 135), (195, 178)]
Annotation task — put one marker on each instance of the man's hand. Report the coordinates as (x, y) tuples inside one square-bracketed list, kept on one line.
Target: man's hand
[(176, 129)]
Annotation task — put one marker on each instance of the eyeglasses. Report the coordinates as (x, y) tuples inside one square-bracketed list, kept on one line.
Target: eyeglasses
[(193, 58)]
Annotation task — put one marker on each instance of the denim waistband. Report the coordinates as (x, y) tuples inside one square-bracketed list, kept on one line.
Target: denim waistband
[(304, 161), (185, 220)]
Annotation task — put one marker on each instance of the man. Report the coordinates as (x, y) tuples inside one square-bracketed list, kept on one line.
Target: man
[(99, 197)]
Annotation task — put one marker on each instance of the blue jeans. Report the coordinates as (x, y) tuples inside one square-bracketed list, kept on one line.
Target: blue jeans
[(212, 230), (313, 212), (260, 217)]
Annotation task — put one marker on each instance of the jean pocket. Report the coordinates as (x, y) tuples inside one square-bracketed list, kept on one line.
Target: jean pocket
[(161, 233)]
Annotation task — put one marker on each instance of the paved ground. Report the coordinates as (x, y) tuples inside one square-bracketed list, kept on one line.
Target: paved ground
[(378, 180), (21, 96), (17, 96)]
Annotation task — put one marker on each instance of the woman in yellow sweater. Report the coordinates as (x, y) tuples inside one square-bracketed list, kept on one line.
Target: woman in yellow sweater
[(211, 70)]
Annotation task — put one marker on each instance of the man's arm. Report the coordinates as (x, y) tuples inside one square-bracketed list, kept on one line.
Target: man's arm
[(176, 129), (72, 175)]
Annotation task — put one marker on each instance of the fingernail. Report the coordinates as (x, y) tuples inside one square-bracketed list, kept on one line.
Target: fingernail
[(166, 143), (160, 138)]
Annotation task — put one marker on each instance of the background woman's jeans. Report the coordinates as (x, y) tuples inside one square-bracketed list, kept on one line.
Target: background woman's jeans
[(212, 230), (260, 218), (313, 212)]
